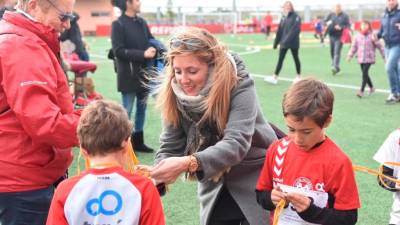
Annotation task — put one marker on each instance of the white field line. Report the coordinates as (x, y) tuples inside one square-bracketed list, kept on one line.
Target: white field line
[(254, 50), (345, 86)]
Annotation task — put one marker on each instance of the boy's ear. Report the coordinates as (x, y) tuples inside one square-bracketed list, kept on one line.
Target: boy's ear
[(328, 121)]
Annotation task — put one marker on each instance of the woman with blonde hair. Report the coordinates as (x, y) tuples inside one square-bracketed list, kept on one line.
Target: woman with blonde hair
[(214, 130)]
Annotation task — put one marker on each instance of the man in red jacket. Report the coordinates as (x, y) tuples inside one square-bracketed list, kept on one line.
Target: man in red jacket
[(37, 120)]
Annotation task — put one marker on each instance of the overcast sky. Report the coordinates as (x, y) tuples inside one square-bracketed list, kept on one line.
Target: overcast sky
[(251, 3)]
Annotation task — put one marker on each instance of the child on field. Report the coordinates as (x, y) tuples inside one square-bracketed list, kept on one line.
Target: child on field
[(90, 91), (365, 44), (319, 30), (306, 168), (105, 192), (390, 152)]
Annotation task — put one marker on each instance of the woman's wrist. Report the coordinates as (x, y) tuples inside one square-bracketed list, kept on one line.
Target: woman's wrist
[(192, 165)]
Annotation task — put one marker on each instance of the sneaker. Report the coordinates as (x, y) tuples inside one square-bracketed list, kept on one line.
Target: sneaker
[(392, 99), (360, 94), (298, 78), (334, 71), (271, 79), (371, 90)]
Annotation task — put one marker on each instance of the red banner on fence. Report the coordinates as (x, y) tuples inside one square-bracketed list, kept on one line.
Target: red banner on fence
[(104, 30)]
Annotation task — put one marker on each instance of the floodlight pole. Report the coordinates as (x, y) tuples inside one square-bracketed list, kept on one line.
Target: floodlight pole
[(234, 10)]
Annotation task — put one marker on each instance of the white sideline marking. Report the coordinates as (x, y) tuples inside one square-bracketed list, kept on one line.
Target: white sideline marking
[(254, 50), (345, 86), (98, 56)]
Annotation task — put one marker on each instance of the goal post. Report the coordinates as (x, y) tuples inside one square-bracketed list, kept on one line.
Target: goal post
[(228, 19)]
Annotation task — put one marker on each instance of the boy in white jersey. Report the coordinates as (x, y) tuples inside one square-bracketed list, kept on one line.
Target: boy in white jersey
[(105, 193), (306, 168), (390, 152)]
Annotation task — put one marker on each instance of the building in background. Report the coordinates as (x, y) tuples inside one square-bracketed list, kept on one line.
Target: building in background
[(96, 16)]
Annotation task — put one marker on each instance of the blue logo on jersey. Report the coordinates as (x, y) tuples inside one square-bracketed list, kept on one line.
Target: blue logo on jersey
[(95, 206)]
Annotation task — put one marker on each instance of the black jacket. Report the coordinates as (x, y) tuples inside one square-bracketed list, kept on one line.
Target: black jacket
[(74, 35), (332, 20), (130, 38), (288, 32)]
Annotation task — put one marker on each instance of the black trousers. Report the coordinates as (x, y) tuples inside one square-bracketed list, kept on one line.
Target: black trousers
[(226, 211), (268, 30), (366, 80), (282, 54), (319, 36)]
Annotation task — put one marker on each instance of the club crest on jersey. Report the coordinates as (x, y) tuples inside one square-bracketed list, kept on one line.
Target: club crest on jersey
[(303, 183)]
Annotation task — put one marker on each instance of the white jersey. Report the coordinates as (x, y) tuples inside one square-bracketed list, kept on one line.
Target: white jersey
[(106, 196), (390, 152)]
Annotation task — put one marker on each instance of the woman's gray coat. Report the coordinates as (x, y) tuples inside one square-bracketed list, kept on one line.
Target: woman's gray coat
[(240, 152)]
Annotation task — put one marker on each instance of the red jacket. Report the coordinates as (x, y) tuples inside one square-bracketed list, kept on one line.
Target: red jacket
[(37, 121)]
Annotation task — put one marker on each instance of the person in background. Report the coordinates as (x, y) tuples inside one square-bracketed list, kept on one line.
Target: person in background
[(214, 130), (390, 33), (75, 36), (6, 5), (336, 22), (130, 37), (37, 118), (307, 169), (390, 152), (365, 45), (288, 38), (268, 20), (319, 30), (105, 191)]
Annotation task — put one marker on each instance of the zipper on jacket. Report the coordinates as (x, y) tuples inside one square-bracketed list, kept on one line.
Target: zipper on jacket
[(131, 67)]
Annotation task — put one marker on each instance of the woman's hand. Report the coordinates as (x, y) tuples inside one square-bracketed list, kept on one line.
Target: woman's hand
[(169, 169), (300, 202)]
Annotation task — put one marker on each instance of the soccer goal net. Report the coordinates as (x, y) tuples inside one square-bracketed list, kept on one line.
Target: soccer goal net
[(222, 21)]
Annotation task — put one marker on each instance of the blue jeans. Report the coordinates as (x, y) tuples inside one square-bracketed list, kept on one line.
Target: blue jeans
[(25, 208), (392, 56), (336, 50), (84, 55), (128, 99)]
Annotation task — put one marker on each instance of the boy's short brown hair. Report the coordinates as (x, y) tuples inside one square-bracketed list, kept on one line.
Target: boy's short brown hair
[(309, 98), (103, 126)]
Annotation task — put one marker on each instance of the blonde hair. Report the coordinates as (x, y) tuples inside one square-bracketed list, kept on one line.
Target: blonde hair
[(200, 43), (290, 4)]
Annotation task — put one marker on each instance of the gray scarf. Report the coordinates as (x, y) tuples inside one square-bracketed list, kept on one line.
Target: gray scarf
[(201, 134)]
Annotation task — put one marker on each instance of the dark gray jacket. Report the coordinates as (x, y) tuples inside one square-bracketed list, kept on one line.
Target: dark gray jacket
[(242, 149), (342, 20)]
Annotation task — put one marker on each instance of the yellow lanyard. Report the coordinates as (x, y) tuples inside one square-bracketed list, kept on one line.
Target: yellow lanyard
[(129, 166)]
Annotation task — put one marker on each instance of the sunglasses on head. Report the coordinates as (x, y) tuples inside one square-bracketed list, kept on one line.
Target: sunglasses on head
[(63, 16), (190, 44)]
